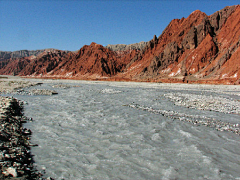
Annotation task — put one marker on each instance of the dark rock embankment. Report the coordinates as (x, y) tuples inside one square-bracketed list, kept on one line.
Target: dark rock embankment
[(16, 161)]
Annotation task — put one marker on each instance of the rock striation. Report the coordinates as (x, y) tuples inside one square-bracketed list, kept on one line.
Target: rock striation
[(192, 50), (196, 49)]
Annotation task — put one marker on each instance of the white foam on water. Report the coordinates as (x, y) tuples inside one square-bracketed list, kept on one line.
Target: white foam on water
[(110, 91), (168, 173), (186, 134)]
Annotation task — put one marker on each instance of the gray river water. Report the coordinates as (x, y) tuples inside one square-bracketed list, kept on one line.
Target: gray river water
[(99, 131)]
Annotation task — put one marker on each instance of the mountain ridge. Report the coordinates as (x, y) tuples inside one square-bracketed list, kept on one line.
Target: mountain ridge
[(196, 49), (22, 53)]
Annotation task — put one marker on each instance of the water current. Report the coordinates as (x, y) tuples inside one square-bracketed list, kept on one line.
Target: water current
[(97, 130)]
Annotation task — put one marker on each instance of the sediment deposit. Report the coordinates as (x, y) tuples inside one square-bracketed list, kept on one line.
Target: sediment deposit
[(12, 85), (204, 102)]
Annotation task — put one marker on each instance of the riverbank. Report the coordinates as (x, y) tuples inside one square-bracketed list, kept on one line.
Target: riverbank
[(15, 159), (17, 85), (10, 84)]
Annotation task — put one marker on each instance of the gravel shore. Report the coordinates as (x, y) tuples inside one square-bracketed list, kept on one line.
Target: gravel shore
[(10, 84), (17, 85), (205, 102), (224, 99), (194, 119), (15, 157), (16, 160)]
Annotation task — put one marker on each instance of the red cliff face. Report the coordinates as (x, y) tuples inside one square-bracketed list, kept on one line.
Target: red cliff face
[(200, 48), (197, 49)]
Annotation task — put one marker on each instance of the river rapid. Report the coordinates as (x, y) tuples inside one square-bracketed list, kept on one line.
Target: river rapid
[(120, 130)]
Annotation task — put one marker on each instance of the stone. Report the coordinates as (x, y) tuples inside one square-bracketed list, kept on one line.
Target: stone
[(11, 171)]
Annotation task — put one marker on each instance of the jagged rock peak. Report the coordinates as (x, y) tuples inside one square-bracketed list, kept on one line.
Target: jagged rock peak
[(94, 44), (155, 38), (218, 18), (197, 14)]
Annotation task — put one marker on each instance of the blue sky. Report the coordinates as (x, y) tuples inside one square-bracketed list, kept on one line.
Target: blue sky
[(70, 24)]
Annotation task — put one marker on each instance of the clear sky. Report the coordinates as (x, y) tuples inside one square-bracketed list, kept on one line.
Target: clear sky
[(70, 24)]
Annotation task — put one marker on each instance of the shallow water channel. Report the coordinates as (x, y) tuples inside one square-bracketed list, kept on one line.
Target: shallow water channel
[(96, 130)]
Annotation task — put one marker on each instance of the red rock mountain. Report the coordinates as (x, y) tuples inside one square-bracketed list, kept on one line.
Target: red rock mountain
[(197, 49)]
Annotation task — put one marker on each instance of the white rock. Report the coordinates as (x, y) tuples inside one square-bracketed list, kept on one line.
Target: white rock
[(11, 171)]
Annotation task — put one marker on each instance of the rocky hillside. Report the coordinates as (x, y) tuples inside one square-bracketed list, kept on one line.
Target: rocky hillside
[(196, 49), (200, 48)]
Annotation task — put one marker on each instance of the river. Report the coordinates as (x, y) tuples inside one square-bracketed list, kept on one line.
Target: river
[(117, 130)]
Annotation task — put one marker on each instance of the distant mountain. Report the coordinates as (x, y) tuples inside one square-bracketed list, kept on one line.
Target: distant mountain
[(21, 53), (6, 56), (196, 49), (125, 47)]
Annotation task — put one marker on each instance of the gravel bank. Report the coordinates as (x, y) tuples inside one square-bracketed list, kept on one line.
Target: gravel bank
[(228, 103), (194, 119), (8, 86), (32, 92), (205, 102), (15, 157), (17, 85)]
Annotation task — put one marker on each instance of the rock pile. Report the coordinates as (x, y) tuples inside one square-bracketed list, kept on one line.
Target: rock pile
[(15, 157)]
